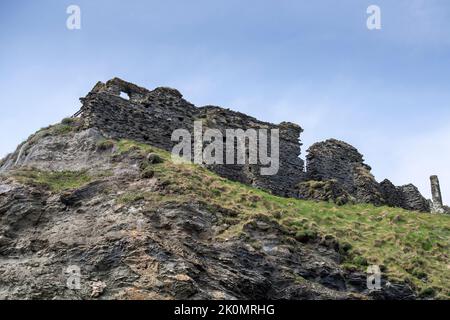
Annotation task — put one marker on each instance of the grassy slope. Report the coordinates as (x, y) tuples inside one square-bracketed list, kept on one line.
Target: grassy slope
[(408, 246)]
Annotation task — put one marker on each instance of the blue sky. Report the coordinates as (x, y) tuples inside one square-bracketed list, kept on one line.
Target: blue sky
[(311, 62)]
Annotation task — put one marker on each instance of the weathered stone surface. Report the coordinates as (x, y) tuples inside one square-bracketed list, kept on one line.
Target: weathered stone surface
[(173, 251), (407, 197), (334, 159), (71, 151), (76, 197), (367, 188), (152, 116), (413, 199), (153, 158), (391, 194), (328, 190), (436, 204), (337, 160), (134, 249)]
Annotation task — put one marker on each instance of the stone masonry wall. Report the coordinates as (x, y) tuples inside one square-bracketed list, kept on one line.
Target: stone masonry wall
[(334, 160), (412, 199), (337, 160), (406, 197), (152, 116)]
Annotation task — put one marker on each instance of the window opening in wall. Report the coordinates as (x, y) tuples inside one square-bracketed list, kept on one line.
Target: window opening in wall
[(124, 95)]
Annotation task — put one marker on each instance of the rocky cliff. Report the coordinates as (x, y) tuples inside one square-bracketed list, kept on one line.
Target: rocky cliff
[(100, 194)]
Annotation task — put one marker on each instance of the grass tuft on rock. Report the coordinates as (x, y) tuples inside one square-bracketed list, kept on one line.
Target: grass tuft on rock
[(53, 180), (66, 126), (105, 145)]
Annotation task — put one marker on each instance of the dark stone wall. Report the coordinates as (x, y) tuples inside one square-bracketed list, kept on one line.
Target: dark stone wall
[(148, 116), (391, 194), (152, 116), (333, 159), (406, 197), (412, 199), (290, 171), (336, 160)]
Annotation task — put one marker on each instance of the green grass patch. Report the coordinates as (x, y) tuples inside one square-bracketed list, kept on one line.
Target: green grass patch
[(53, 180), (130, 197), (66, 126), (105, 144)]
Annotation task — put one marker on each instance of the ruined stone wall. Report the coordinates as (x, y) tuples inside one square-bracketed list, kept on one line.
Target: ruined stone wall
[(391, 194), (290, 171), (336, 160), (339, 161), (152, 116), (333, 159), (412, 199), (148, 116), (407, 197)]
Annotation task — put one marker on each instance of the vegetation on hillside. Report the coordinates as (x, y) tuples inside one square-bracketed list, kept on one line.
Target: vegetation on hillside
[(408, 246), (66, 126), (53, 180)]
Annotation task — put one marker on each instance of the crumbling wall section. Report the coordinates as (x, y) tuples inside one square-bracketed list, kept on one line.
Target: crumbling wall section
[(152, 116), (412, 199), (407, 197), (391, 194), (290, 171), (336, 160), (148, 116)]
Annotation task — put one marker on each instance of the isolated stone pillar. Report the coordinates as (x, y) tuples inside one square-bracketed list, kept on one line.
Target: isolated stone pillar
[(436, 195)]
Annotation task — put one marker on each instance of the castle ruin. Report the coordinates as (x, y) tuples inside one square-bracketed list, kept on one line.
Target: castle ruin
[(151, 117), (334, 169)]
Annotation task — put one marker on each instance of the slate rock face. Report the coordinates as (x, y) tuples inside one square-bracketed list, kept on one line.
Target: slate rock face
[(170, 251), (74, 151)]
